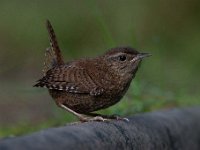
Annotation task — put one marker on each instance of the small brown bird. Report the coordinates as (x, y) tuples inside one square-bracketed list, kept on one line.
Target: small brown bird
[(86, 85)]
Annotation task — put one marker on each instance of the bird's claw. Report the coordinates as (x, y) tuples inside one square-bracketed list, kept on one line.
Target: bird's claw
[(121, 118), (96, 118), (99, 118)]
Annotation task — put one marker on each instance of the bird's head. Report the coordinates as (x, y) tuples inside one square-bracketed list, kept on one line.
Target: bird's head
[(124, 60)]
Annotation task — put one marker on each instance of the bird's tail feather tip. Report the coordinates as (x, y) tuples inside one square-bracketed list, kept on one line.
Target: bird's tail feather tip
[(38, 85)]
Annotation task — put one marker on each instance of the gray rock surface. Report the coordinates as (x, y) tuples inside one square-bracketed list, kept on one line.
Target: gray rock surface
[(175, 129)]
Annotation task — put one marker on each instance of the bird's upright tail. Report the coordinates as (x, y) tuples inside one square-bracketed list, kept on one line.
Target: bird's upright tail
[(53, 54)]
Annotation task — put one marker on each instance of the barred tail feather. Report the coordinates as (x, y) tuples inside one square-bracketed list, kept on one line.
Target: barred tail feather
[(38, 85), (54, 44), (41, 83)]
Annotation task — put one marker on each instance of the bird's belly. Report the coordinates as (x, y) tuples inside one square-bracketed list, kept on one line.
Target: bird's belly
[(83, 103)]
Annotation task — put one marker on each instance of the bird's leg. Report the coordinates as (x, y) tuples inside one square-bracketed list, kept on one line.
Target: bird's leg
[(82, 117), (108, 116)]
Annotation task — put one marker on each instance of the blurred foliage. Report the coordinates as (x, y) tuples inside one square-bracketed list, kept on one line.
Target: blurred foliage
[(167, 29)]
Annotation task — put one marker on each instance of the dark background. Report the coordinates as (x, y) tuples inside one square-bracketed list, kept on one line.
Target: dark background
[(169, 30)]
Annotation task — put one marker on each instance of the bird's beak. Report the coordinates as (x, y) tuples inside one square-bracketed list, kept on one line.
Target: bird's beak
[(143, 55), (140, 56)]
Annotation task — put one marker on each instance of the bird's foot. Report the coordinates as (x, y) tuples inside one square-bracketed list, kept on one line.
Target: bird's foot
[(117, 117), (96, 118), (108, 117)]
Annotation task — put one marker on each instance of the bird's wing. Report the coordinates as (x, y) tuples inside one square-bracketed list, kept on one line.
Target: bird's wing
[(70, 79)]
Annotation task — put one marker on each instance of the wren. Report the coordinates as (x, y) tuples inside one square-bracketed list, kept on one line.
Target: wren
[(87, 85)]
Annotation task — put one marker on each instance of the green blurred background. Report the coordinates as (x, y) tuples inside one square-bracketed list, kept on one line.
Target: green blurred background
[(169, 30)]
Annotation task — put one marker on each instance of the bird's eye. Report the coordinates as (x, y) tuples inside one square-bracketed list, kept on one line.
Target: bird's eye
[(122, 58)]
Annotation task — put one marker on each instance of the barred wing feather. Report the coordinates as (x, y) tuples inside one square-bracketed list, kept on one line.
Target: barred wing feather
[(70, 79)]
